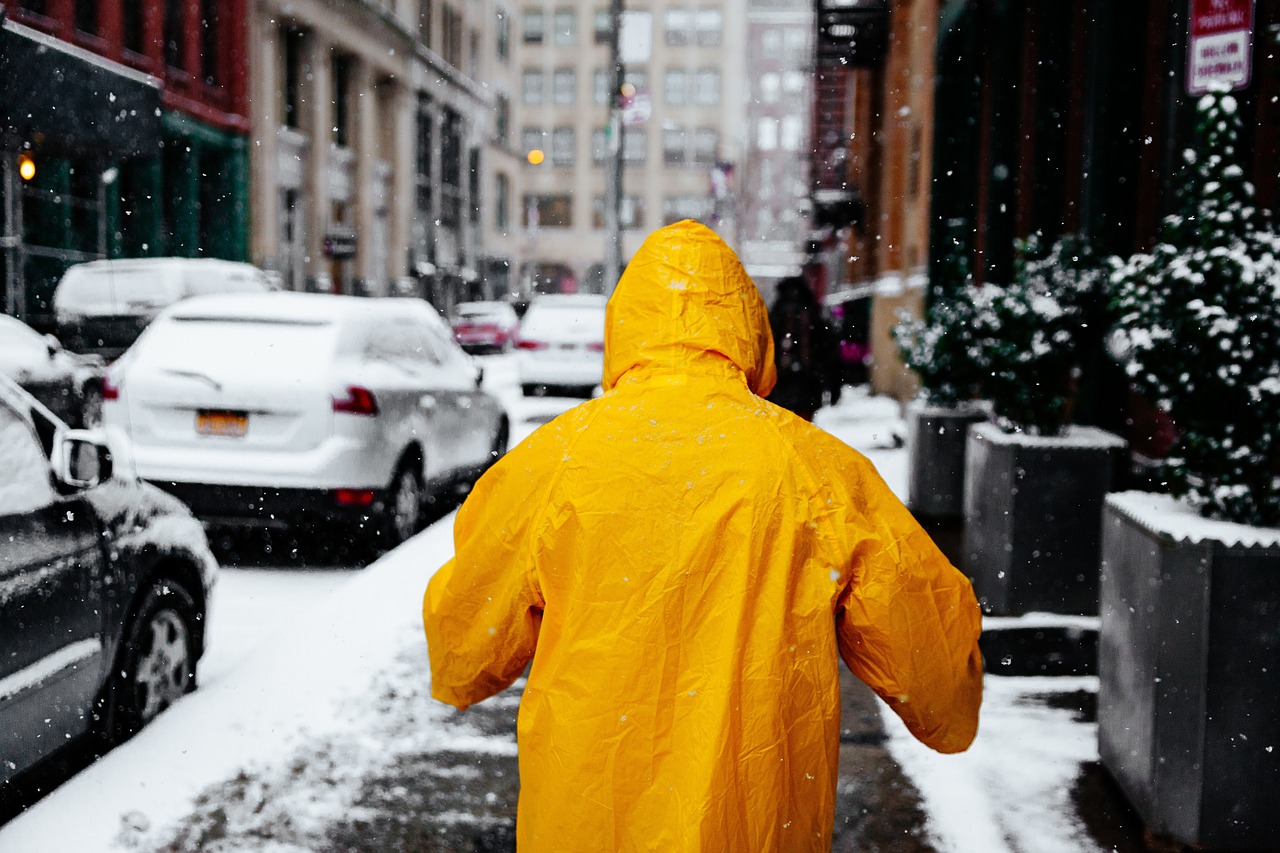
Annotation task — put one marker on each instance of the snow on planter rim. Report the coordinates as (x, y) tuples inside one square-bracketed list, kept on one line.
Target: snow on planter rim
[(1075, 437), (1177, 520)]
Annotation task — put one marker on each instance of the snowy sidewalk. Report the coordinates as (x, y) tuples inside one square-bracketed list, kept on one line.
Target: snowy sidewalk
[(309, 746)]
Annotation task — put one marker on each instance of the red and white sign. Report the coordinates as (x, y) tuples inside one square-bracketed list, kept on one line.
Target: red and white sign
[(1220, 47)]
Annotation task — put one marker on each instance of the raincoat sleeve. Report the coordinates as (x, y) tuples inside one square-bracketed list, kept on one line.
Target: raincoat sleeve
[(908, 623), (482, 610)]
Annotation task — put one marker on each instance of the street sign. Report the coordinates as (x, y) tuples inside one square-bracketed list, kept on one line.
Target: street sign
[(637, 109), (1220, 44)]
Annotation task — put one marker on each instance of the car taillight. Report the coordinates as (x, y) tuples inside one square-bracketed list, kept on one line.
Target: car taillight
[(358, 401), (353, 497), (596, 346), (110, 390), (526, 343)]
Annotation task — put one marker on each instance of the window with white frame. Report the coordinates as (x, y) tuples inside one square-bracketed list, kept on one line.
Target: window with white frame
[(677, 23), (600, 87), (635, 143), (767, 134), (771, 43), (535, 24), (770, 87), (707, 87), (706, 145), (564, 27), (599, 146), (531, 138), (793, 82), (564, 84), (562, 146), (675, 87), (532, 86), (792, 134), (674, 145), (708, 24)]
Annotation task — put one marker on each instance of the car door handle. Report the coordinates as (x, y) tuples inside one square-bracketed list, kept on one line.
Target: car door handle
[(427, 402)]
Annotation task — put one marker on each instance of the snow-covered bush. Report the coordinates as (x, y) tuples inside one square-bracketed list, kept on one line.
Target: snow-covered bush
[(1199, 330), (941, 349), (1030, 334)]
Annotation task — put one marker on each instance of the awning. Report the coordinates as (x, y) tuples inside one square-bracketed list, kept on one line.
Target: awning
[(63, 99)]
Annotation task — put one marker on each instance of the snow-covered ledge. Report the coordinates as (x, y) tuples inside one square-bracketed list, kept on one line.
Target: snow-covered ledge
[(1084, 437), (1177, 521)]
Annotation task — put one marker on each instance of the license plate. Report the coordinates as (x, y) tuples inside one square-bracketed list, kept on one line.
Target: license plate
[(223, 424)]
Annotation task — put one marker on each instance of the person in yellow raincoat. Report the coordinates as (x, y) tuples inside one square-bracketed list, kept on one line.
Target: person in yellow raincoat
[(684, 564)]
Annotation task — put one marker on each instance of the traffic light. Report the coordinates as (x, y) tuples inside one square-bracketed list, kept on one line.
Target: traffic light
[(535, 156)]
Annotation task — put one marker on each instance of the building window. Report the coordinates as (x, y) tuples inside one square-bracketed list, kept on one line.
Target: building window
[(87, 16), (603, 25), (793, 82), (564, 24), (770, 87), (562, 145), (706, 145), (450, 169), (673, 145), (473, 184), (792, 133), (293, 73), (797, 41), (531, 138), (131, 26), (707, 92), (532, 86), (550, 211), (502, 119), (599, 145), (473, 55), (451, 36), (767, 134), (534, 26), (210, 67), (425, 171), (564, 83), (342, 101), (771, 44), (174, 33), (501, 202), (677, 23), (600, 87), (424, 22), (675, 87), (630, 212), (638, 79), (676, 208), (635, 143), (708, 24), (502, 33)]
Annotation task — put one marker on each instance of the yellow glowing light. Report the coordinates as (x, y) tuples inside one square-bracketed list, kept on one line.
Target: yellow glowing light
[(26, 167), (536, 156), (628, 90)]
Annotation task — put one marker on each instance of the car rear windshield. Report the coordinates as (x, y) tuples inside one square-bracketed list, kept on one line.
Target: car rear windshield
[(471, 312), (255, 345), (575, 320), (114, 291)]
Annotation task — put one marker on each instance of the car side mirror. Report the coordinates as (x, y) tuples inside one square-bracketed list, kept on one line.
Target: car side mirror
[(80, 460), (479, 376), (53, 345)]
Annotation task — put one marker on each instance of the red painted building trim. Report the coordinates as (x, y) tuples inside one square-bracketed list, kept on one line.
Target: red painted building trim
[(224, 104)]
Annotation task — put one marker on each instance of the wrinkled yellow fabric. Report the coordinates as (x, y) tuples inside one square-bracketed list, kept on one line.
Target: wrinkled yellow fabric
[(684, 564)]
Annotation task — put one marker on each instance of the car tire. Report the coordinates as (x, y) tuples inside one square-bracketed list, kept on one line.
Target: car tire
[(157, 662), (402, 513)]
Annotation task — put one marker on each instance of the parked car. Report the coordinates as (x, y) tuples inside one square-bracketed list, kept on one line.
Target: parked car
[(561, 344), (104, 590), (102, 306), (481, 327), (69, 384), (301, 409)]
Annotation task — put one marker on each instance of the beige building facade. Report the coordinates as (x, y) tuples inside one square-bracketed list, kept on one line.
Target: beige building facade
[(682, 144)]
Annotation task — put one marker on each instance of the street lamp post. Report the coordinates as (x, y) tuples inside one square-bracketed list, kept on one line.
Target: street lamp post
[(613, 163)]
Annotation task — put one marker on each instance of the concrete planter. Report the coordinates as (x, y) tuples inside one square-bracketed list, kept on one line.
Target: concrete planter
[(1033, 515), (1189, 672), (935, 458)]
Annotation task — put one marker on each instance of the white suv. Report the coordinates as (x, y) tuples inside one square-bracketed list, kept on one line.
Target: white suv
[(292, 408)]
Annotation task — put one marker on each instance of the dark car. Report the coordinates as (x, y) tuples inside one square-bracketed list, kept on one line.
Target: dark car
[(104, 590), (68, 384)]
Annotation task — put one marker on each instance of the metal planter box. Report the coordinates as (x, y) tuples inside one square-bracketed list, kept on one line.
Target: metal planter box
[(1189, 672), (935, 458), (1033, 515)]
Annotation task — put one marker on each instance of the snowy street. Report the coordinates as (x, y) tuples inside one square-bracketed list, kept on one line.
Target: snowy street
[(312, 728)]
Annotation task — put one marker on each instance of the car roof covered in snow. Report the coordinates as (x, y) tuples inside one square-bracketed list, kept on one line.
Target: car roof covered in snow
[(281, 307)]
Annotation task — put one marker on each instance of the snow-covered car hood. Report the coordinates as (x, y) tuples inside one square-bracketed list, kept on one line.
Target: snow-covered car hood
[(138, 515)]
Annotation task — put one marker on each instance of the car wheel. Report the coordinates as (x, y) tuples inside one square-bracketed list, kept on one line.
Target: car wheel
[(403, 512), (91, 407), (157, 660)]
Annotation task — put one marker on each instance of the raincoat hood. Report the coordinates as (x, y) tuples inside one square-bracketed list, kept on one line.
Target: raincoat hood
[(686, 304)]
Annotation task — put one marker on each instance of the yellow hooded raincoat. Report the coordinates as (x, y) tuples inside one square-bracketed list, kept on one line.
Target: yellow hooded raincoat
[(684, 564)]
